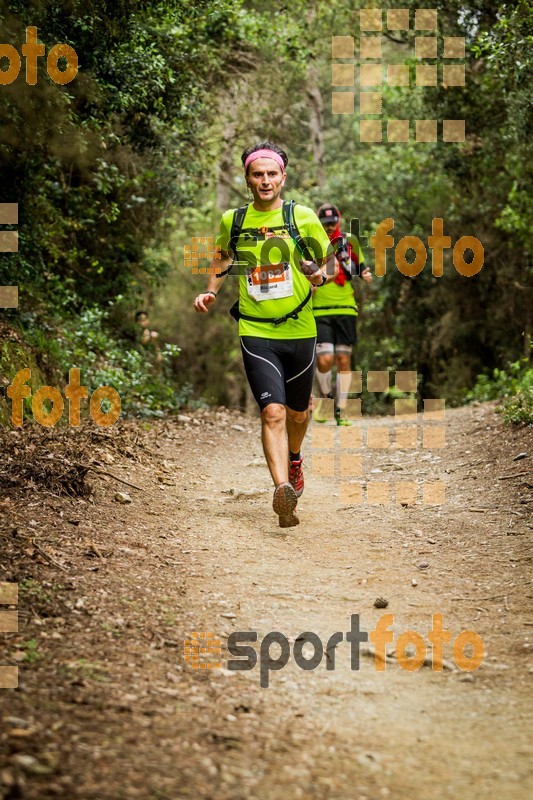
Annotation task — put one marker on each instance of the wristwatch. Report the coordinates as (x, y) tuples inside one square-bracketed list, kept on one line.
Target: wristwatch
[(324, 279)]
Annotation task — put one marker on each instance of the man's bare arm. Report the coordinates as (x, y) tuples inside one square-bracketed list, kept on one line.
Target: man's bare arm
[(314, 272), (219, 264), (332, 267)]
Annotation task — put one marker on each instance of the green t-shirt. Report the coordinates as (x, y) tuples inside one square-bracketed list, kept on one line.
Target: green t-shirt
[(270, 283), (342, 298)]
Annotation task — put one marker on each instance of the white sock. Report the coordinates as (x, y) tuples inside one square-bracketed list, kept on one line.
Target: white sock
[(344, 381), (324, 382)]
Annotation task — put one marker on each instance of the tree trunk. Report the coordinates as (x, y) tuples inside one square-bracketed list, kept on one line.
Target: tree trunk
[(316, 125), (223, 199)]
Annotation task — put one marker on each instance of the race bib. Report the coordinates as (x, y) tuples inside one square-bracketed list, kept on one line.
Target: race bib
[(269, 282)]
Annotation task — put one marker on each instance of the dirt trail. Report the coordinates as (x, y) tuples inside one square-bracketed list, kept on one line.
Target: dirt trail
[(108, 708)]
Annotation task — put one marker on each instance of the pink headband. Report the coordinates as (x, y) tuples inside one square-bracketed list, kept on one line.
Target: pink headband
[(264, 154)]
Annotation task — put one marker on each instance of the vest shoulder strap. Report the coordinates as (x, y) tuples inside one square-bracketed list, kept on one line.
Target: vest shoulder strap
[(289, 221), (236, 226)]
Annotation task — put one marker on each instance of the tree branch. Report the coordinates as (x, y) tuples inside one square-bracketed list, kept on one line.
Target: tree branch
[(394, 39), (234, 188)]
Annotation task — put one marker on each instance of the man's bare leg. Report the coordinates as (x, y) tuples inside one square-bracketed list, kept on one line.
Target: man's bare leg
[(282, 429), (274, 437), (274, 423), (324, 363), (344, 380), (297, 424)]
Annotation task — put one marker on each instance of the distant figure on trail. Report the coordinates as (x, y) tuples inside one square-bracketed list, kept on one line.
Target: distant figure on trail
[(276, 323), (149, 339), (335, 310)]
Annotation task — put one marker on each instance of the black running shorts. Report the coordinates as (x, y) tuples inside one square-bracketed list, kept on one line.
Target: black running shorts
[(336, 329), (280, 370)]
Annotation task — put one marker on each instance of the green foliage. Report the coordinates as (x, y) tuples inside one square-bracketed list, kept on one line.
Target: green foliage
[(32, 652), (499, 383), (518, 410), (96, 167), (513, 386), (95, 164), (452, 328), (103, 359), (31, 590), (88, 670)]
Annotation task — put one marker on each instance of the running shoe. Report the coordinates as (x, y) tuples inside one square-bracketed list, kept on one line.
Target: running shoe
[(340, 418), (322, 410), (284, 503), (296, 476), (318, 415), (343, 421)]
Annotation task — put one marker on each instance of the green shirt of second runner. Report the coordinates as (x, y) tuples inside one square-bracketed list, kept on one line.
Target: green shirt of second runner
[(335, 300), (270, 283)]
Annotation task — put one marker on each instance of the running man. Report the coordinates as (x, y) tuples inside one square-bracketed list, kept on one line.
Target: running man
[(267, 242), (335, 310)]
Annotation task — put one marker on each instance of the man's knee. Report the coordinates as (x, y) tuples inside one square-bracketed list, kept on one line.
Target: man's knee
[(343, 362), (297, 416), (273, 413), (324, 362), (324, 356)]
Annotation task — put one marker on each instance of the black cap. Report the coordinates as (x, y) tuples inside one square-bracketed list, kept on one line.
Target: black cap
[(328, 213)]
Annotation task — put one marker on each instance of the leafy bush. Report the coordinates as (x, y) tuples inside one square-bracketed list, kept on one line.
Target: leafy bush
[(519, 408), (145, 388), (513, 385)]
